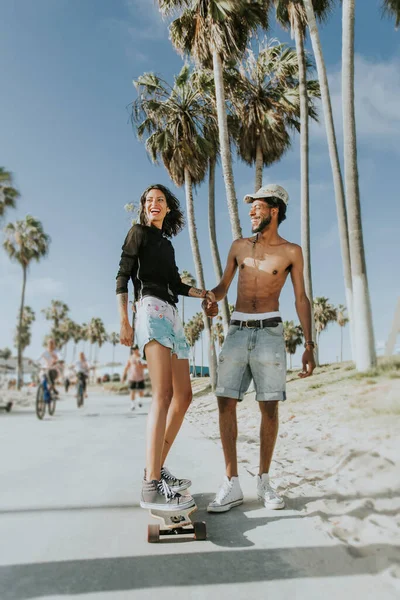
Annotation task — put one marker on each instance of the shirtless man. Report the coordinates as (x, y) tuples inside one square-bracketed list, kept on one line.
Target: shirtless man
[(254, 347), (134, 370)]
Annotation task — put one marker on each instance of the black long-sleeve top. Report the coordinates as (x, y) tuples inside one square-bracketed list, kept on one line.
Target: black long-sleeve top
[(148, 258)]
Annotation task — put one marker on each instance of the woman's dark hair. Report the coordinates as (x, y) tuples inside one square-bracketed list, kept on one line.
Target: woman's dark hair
[(277, 203), (174, 220)]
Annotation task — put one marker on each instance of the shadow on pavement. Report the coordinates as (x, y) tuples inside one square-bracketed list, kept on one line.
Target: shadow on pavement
[(73, 577)]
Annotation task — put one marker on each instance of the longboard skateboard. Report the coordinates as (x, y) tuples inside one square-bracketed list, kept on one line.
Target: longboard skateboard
[(176, 523)]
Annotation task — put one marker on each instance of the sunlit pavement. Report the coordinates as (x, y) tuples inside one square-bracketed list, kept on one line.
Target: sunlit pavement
[(70, 524)]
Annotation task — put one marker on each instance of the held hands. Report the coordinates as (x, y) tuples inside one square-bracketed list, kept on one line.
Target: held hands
[(126, 334), (209, 305), (308, 364)]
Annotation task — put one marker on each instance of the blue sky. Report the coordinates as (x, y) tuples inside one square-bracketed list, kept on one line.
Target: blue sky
[(67, 70)]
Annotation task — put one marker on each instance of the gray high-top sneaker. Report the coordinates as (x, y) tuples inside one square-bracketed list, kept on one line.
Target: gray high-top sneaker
[(176, 485), (157, 495)]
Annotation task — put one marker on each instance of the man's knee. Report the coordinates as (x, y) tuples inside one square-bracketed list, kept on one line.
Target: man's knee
[(270, 408), (227, 405)]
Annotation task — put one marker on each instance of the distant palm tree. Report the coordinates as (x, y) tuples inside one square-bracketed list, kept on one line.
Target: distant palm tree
[(392, 9), (324, 313), (215, 32), (8, 194), (57, 312), (264, 92), (188, 279), (113, 338), (25, 241), (365, 357), (76, 336), (5, 354), (333, 151), (342, 320), (293, 336), (174, 118), (23, 332), (100, 335)]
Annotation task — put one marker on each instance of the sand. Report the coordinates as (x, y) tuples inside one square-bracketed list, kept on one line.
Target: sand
[(336, 458)]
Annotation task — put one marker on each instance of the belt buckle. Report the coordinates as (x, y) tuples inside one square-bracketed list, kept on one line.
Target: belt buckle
[(251, 326)]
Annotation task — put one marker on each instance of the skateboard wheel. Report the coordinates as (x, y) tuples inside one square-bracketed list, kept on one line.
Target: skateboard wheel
[(153, 534), (200, 530)]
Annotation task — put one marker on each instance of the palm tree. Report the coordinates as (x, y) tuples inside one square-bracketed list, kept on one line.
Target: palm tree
[(57, 312), (293, 336), (76, 336), (193, 331), (25, 241), (342, 320), (5, 354), (215, 32), (189, 280), (365, 355), (291, 14), (67, 332), (174, 118), (264, 92), (8, 194), (333, 151), (392, 8), (23, 332), (207, 87), (113, 338), (324, 313)]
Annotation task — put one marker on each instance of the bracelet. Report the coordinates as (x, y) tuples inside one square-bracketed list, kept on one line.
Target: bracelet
[(310, 343)]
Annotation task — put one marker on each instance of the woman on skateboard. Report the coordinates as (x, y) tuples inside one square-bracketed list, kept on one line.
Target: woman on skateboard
[(148, 259)]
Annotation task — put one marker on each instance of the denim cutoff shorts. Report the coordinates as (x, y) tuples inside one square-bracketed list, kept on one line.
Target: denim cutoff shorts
[(257, 354), (157, 320)]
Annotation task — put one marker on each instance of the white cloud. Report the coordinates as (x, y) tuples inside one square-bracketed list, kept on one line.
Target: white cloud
[(377, 92)]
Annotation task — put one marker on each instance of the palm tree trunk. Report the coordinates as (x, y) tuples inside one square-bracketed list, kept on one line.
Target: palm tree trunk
[(226, 156), (304, 152), (213, 240), (199, 270), (290, 360), (341, 344), (20, 373), (259, 167), (335, 163), (365, 356)]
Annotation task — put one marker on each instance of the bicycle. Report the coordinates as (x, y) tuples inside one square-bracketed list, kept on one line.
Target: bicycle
[(80, 389), (44, 397)]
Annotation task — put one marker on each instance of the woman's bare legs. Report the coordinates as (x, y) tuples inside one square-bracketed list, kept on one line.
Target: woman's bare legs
[(158, 359), (182, 397)]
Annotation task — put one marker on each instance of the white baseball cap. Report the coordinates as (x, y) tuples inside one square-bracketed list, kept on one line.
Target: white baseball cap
[(272, 190)]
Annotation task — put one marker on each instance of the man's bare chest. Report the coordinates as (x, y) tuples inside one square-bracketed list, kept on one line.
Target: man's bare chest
[(263, 262)]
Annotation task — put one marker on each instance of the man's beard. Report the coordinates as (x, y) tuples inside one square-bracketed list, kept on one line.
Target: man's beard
[(264, 223)]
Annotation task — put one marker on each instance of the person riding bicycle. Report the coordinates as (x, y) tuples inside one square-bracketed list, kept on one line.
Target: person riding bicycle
[(49, 362), (82, 371)]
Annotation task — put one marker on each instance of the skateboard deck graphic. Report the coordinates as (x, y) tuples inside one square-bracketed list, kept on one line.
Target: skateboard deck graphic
[(176, 523)]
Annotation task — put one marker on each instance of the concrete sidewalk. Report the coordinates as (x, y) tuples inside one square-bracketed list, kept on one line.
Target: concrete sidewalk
[(70, 523)]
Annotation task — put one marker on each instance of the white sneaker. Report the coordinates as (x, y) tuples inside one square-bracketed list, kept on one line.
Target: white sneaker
[(267, 494), (229, 495)]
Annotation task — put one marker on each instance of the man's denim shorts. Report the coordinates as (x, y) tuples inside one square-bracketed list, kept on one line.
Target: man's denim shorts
[(157, 320), (257, 354)]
